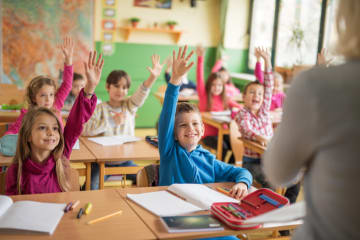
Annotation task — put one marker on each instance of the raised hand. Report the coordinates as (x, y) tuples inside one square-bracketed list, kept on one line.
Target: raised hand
[(156, 66), (322, 58), (68, 49), (93, 70), (200, 50), (180, 66), (168, 63), (265, 54)]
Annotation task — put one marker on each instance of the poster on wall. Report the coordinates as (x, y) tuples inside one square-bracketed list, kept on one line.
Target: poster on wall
[(32, 31), (166, 4)]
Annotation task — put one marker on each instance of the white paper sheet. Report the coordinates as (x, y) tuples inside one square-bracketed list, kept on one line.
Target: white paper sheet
[(114, 140)]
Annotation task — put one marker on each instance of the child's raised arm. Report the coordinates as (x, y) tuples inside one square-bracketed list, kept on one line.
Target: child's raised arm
[(268, 79), (167, 116), (258, 72), (67, 48), (154, 71), (85, 103)]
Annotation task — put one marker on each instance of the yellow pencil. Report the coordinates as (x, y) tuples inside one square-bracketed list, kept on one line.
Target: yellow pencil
[(104, 217)]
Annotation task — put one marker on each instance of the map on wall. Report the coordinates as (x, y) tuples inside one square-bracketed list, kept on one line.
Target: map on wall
[(32, 31)]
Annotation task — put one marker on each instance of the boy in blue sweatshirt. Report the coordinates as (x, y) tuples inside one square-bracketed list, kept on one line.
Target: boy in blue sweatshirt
[(182, 159)]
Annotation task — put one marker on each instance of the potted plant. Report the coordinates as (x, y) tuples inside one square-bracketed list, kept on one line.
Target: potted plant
[(171, 24), (134, 21)]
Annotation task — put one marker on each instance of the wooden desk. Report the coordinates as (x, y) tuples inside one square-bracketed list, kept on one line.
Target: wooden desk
[(223, 128), (12, 115), (82, 155), (141, 152), (161, 96), (9, 115), (191, 98), (153, 221), (125, 226)]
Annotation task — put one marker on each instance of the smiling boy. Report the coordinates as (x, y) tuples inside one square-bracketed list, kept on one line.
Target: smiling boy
[(182, 159)]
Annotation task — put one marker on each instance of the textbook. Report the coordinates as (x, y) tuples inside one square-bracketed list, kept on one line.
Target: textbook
[(180, 199), (29, 215), (197, 223)]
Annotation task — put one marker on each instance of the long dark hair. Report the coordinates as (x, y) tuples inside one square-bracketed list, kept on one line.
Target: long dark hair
[(209, 83)]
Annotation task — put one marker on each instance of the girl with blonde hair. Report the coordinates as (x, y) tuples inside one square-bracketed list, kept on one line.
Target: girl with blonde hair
[(41, 162)]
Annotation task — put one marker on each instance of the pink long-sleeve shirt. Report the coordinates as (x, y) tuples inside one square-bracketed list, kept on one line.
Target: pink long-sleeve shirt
[(41, 177), (217, 103), (230, 89), (277, 100), (60, 97)]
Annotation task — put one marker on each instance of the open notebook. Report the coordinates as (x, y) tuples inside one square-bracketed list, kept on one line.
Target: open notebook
[(163, 203), (114, 140), (29, 215)]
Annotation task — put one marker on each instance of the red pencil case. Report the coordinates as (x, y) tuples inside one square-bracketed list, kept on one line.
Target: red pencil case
[(256, 203)]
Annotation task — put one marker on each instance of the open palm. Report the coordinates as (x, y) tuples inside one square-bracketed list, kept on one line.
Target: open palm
[(156, 66), (93, 69), (180, 66), (67, 47)]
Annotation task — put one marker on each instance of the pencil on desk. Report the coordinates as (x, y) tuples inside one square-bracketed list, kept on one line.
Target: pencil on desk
[(104, 217), (224, 191)]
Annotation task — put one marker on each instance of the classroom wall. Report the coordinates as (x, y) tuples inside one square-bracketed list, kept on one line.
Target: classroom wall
[(200, 26)]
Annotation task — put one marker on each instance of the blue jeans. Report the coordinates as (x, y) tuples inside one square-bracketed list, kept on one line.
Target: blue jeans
[(95, 173)]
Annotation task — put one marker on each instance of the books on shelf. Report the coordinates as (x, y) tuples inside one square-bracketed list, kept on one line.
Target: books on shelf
[(29, 215), (192, 198), (114, 140), (196, 223)]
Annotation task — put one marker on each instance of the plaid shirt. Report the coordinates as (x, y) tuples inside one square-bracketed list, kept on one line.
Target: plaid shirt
[(250, 124)]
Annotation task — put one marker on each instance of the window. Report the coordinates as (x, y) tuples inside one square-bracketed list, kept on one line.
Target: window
[(294, 30)]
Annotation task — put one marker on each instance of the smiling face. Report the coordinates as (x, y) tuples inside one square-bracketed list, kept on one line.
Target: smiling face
[(45, 133), (45, 96), (188, 129), (217, 87), (117, 91), (253, 97)]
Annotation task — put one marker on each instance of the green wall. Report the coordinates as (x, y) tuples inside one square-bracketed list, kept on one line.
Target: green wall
[(134, 58)]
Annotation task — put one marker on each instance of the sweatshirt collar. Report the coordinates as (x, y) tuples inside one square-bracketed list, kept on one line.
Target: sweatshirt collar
[(39, 168)]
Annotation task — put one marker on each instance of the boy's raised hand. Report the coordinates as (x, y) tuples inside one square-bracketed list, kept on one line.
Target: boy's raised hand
[(68, 48), (264, 53), (156, 66), (93, 70), (180, 66)]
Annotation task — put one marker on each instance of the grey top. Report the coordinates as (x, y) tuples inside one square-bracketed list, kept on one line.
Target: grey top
[(320, 132)]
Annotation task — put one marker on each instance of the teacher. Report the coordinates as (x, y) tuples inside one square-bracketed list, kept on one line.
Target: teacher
[(320, 133)]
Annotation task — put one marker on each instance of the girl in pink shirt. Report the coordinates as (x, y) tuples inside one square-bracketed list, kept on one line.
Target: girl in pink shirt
[(230, 89), (212, 97), (41, 91), (41, 162)]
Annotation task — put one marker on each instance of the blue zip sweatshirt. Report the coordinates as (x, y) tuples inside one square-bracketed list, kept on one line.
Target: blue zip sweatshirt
[(199, 166)]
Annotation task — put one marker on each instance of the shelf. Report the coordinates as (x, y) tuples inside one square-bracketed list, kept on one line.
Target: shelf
[(129, 30)]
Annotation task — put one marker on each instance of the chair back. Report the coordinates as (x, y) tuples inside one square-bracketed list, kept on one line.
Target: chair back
[(2, 182), (3, 128), (148, 176), (236, 143), (74, 180)]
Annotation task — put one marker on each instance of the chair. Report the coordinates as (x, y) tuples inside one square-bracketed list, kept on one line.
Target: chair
[(3, 128), (122, 171), (12, 95), (148, 176), (2, 182), (237, 145)]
